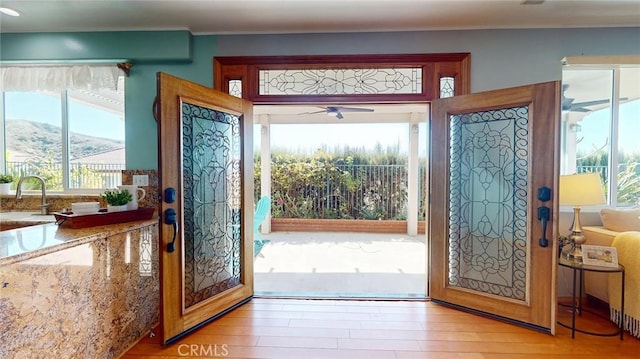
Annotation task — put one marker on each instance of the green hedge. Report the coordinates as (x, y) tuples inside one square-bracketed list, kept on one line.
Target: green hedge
[(346, 184)]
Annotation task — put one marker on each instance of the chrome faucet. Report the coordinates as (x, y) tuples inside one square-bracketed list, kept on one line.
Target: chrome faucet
[(44, 207)]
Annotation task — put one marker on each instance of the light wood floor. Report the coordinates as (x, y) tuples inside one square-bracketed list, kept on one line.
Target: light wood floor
[(305, 329)]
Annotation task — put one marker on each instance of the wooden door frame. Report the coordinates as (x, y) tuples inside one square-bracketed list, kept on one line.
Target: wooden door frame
[(434, 67)]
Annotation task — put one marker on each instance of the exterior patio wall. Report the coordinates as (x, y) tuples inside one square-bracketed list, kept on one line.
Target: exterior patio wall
[(340, 225)]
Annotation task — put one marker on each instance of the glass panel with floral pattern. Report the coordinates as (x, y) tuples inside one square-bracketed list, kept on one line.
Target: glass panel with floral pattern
[(212, 195), (488, 199), (345, 81)]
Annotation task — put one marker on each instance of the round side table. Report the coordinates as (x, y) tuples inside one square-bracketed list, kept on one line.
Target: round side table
[(578, 271)]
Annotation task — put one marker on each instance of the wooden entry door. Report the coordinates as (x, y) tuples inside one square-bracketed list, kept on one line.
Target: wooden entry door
[(493, 157), (206, 180)]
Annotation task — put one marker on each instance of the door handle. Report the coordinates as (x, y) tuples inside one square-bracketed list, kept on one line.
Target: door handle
[(544, 213), (170, 218), (154, 108)]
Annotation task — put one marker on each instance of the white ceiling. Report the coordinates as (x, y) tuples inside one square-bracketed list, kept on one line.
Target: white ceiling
[(312, 16), (384, 113)]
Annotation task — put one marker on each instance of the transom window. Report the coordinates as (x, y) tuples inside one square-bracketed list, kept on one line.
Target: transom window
[(343, 81)]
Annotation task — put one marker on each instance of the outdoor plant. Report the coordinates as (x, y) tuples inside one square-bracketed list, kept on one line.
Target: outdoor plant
[(117, 197), (629, 184), (6, 178), (345, 183)]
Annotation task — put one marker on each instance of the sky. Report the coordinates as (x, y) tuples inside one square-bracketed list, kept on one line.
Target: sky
[(595, 129), (45, 108)]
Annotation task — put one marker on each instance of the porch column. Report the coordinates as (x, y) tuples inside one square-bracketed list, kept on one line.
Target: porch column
[(412, 181), (265, 168), (571, 127)]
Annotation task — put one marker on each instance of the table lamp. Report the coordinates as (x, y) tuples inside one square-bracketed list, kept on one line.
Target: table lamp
[(577, 190)]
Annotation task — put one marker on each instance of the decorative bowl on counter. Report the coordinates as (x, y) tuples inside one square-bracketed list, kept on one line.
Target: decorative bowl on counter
[(85, 207)]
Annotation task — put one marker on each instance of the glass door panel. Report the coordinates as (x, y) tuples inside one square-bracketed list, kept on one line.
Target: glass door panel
[(488, 201), (212, 196)]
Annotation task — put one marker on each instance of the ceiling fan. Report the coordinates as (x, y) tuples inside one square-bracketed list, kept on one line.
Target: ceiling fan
[(569, 105), (338, 110)]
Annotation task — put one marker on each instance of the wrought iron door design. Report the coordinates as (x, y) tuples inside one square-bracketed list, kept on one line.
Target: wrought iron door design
[(212, 188), (491, 153), (488, 201)]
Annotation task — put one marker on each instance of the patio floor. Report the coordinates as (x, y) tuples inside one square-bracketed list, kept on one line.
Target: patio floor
[(337, 265)]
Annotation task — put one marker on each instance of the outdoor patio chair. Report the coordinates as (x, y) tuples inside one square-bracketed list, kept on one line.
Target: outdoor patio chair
[(261, 214)]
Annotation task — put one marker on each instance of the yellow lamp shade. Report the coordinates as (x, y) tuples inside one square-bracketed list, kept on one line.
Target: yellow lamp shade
[(581, 189)]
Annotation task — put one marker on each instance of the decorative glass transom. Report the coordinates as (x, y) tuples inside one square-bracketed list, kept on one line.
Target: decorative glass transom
[(212, 193), (488, 196), (235, 88), (340, 81), (447, 87)]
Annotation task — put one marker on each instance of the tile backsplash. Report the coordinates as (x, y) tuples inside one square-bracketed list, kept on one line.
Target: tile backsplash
[(152, 198)]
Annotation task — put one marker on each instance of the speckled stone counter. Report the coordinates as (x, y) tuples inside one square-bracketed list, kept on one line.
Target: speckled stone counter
[(77, 293)]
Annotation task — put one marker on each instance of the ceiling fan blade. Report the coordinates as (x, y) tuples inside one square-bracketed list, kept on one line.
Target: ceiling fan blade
[(582, 106), (580, 109), (352, 109), (337, 111), (568, 103), (311, 113), (589, 103)]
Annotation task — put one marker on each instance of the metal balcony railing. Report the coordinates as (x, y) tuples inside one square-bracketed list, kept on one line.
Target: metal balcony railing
[(82, 175), (359, 192)]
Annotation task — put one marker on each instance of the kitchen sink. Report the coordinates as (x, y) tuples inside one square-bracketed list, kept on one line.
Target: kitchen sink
[(13, 220), (6, 227)]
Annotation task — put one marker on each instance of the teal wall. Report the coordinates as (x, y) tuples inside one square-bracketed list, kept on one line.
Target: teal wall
[(157, 46), (499, 58)]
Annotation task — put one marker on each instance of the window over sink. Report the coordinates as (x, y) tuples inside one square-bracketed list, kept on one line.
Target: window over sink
[(64, 124)]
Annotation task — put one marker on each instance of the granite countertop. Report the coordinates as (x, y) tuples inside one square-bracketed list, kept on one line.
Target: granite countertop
[(35, 240), (25, 218)]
